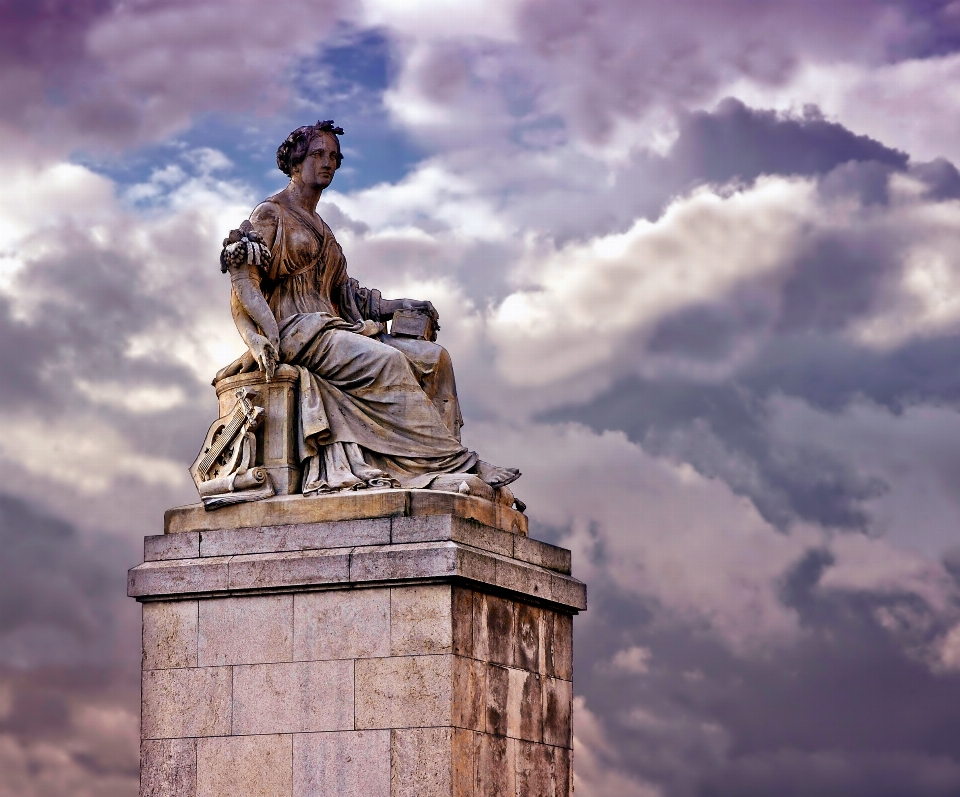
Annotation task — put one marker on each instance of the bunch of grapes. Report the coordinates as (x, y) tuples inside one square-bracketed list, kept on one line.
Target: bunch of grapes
[(243, 246)]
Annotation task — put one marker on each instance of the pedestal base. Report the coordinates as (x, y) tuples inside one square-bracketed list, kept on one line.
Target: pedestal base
[(398, 656)]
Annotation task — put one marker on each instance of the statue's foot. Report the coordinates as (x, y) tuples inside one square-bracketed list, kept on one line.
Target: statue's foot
[(496, 476)]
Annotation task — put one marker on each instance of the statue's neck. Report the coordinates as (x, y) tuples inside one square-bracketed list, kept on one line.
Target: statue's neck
[(306, 197)]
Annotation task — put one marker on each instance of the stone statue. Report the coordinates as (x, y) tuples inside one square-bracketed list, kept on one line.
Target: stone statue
[(374, 409)]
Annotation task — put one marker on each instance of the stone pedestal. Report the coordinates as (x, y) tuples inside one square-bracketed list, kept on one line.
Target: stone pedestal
[(376, 644)]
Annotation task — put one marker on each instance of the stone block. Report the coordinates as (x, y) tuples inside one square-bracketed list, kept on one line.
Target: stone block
[(289, 510), (432, 762), (535, 770), (251, 629), (421, 620), (542, 554), (432, 528), (526, 651), (169, 634), (395, 562), (556, 645), (495, 767), (493, 628), (434, 502), (245, 766), (469, 694), (497, 695), (342, 764), (295, 537), (562, 772), (295, 697), (557, 705), (403, 692), (524, 705), (341, 624), (295, 568), (168, 768), (171, 546), (185, 702), (568, 591), (462, 621), (178, 577), (523, 578)]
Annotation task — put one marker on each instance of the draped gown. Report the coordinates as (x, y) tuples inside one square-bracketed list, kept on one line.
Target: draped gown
[(385, 403)]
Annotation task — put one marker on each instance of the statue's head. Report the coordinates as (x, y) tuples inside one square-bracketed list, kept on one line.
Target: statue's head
[(294, 149)]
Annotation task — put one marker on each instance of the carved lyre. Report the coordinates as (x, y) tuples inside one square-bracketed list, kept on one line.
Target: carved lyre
[(224, 470)]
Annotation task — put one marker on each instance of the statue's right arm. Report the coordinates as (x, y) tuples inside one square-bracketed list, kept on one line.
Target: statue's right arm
[(251, 313)]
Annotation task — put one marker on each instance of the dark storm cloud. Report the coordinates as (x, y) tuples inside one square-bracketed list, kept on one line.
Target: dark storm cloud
[(735, 141), (58, 592), (845, 710)]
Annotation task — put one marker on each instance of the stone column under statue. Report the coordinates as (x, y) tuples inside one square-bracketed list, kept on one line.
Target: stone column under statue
[(355, 607)]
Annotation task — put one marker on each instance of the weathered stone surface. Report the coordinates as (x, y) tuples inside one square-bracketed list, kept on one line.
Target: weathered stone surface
[(462, 619), (469, 694), (542, 554), (245, 766), (526, 652), (295, 697), (296, 537), (535, 770), (178, 577), (289, 510), (568, 591), (495, 767), (168, 768), (342, 764), (493, 628), (422, 762), (341, 624), (403, 692), (562, 772), (296, 568), (421, 620), (497, 695), (395, 562), (251, 629), (524, 578), (168, 546), (185, 702), (557, 645), (434, 528), (170, 634), (524, 706), (557, 705)]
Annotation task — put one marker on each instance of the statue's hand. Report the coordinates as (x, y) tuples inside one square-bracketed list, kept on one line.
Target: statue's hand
[(424, 307), (266, 355), (370, 329)]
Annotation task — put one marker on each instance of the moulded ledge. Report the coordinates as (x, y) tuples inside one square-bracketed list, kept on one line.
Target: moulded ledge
[(339, 568)]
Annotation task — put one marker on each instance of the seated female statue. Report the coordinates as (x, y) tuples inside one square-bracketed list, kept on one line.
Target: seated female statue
[(374, 408)]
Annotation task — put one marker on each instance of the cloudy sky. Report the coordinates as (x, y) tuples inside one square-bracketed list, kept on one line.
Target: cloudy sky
[(698, 266)]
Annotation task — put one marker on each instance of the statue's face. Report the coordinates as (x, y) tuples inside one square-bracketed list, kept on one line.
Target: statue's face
[(321, 161)]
